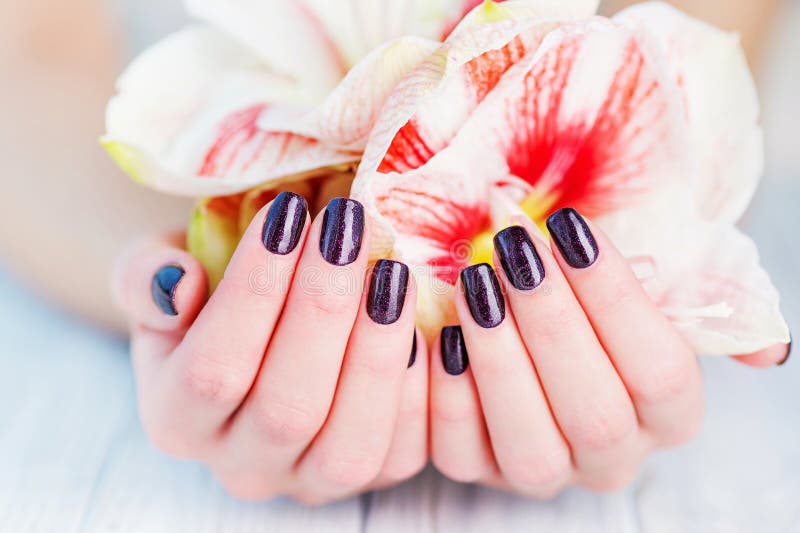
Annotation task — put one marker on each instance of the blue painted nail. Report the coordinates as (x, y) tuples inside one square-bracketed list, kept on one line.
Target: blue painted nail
[(164, 285)]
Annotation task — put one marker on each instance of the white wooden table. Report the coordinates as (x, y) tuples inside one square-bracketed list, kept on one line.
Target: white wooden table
[(73, 457)]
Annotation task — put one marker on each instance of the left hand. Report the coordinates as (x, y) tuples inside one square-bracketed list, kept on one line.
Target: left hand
[(576, 384)]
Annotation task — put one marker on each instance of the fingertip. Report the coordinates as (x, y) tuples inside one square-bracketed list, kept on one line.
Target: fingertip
[(159, 287), (778, 355)]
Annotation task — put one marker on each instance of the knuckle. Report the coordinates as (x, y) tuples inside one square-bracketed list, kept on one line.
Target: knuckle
[(452, 409), (563, 319), (413, 411), (620, 293), (684, 429), (665, 382), (459, 471), (602, 429), (345, 473), (247, 487), (613, 480), (404, 467), (378, 366), (167, 440), (284, 423), (540, 473), (210, 382), (327, 304), (236, 291)]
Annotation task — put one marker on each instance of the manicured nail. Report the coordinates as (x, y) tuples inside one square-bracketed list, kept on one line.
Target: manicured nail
[(285, 222), (387, 291), (519, 258), (788, 353), (413, 358), (163, 288), (484, 297), (573, 238), (454, 351), (342, 231)]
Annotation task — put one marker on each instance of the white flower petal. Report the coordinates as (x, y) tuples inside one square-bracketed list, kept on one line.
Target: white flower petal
[(722, 105), (347, 116), (184, 120), (490, 12), (287, 36), (705, 276)]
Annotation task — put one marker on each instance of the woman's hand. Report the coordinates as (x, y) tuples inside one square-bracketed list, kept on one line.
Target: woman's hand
[(292, 379), (571, 378)]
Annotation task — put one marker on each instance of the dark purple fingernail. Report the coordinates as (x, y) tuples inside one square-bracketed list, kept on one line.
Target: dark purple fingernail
[(788, 353), (573, 238), (519, 258), (387, 291), (342, 231), (484, 297), (413, 358), (454, 351), (163, 288), (285, 222)]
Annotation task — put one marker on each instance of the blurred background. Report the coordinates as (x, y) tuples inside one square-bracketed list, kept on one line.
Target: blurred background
[(72, 456)]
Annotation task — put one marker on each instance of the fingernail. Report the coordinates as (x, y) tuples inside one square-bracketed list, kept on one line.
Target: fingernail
[(519, 258), (484, 297), (788, 354), (387, 291), (342, 231), (413, 358), (163, 288), (285, 222), (573, 238), (454, 351)]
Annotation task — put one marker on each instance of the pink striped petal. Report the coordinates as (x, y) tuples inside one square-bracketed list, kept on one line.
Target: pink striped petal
[(185, 120)]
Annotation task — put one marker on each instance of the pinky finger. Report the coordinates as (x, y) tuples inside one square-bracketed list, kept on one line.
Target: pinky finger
[(160, 286), (408, 453), (773, 356)]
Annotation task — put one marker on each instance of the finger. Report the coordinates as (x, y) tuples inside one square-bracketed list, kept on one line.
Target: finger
[(530, 450), (162, 288), (772, 356), (658, 368), (159, 286), (587, 397), (460, 447), (210, 372), (351, 448), (408, 452), (294, 389)]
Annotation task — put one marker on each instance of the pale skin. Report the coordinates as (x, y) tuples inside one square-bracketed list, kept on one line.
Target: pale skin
[(275, 407)]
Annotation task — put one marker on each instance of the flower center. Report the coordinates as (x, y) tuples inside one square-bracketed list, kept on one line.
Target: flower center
[(538, 206)]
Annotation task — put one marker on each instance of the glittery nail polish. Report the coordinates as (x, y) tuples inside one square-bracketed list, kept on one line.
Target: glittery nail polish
[(483, 294), (413, 358), (387, 291), (342, 231), (284, 224), (454, 351), (573, 237), (519, 258), (163, 288)]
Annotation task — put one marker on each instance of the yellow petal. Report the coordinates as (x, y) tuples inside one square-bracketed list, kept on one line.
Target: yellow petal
[(213, 234)]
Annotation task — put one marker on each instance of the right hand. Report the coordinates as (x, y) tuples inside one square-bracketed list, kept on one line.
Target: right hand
[(282, 383)]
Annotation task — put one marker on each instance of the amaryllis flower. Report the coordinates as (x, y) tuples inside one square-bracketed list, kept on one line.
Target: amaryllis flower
[(265, 93), (646, 122)]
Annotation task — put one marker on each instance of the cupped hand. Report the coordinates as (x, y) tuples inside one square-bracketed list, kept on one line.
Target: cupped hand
[(300, 376), (563, 372)]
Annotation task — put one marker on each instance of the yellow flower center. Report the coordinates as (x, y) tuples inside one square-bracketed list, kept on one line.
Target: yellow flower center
[(537, 206)]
